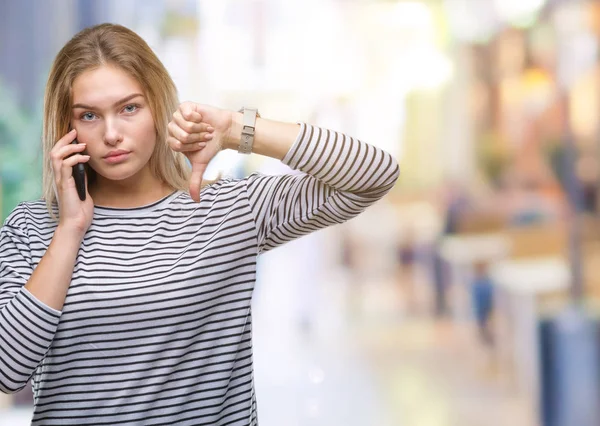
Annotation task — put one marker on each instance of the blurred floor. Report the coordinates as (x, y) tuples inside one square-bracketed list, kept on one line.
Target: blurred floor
[(351, 354), (368, 358)]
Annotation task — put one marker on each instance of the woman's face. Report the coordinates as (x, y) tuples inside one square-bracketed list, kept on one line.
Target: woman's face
[(112, 116)]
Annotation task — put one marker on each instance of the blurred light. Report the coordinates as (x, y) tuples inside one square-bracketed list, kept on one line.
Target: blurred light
[(538, 86), (423, 67), (471, 21), (583, 111), (407, 15), (316, 376), (569, 18), (312, 408), (518, 12), (409, 46), (342, 76), (577, 56), (223, 164)]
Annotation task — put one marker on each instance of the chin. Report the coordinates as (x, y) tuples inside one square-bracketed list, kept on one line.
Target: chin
[(118, 173)]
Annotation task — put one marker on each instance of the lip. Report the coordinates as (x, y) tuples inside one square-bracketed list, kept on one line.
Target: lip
[(116, 152), (115, 157)]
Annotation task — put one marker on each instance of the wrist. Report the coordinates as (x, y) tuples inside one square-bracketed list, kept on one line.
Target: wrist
[(69, 234), (234, 133)]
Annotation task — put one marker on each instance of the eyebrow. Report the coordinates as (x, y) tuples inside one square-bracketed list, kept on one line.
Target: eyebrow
[(119, 102)]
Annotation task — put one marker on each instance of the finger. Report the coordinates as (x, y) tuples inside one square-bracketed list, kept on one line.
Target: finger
[(177, 145), (56, 170), (191, 126), (66, 139), (67, 166), (56, 154), (196, 181), (75, 159), (189, 113), (69, 150), (187, 138), (59, 155)]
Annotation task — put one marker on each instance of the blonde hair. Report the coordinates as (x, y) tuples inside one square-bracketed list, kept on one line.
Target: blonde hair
[(115, 45)]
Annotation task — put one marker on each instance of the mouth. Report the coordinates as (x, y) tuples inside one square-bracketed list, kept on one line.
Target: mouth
[(117, 157)]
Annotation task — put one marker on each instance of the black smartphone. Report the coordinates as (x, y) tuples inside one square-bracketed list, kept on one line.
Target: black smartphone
[(79, 176)]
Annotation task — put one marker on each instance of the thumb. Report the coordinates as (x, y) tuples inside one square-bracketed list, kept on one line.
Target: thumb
[(195, 114), (195, 117), (191, 111), (196, 181)]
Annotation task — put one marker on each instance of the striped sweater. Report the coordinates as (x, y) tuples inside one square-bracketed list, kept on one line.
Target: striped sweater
[(156, 327)]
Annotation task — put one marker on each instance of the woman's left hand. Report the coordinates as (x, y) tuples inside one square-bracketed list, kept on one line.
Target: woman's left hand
[(199, 132)]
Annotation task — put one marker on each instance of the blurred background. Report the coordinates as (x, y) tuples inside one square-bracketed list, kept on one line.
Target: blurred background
[(468, 296)]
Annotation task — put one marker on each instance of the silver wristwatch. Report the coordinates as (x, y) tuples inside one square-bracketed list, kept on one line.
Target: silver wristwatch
[(248, 126)]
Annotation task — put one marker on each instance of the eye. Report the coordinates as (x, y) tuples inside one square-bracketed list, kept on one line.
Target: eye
[(131, 108), (88, 116)]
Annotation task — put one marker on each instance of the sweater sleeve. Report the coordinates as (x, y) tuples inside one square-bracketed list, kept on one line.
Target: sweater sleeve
[(27, 326), (341, 177)]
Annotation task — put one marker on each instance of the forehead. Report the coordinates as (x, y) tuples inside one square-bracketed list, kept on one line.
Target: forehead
[(103, 86)]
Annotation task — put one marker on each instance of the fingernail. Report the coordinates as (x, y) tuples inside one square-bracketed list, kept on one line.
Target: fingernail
[(210, 129), (72, 131)]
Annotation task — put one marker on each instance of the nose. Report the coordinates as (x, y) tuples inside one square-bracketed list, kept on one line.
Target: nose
[(112, 134)]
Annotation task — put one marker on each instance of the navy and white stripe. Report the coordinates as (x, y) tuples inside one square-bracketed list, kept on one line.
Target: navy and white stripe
[(156, 327)]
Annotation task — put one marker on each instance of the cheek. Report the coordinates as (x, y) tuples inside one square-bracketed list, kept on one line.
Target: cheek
[(148, 137), (147, 134), (150, 132)]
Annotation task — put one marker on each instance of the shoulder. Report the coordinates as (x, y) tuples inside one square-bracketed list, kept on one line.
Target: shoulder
[(28, 214)]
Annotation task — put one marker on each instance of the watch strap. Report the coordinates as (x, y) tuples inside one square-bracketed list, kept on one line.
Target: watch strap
[(248, 128)]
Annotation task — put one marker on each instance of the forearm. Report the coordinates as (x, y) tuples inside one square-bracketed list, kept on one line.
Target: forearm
[(271, 138), (50, 281), (340, 161), (28, 321), (345, 163)]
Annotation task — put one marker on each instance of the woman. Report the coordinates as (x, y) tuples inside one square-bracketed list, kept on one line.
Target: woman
[(133, 306)]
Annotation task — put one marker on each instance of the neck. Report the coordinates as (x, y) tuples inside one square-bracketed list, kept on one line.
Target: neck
[(135, 191)]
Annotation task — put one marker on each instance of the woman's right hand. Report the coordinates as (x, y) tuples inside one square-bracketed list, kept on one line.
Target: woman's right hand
[(74, 214)]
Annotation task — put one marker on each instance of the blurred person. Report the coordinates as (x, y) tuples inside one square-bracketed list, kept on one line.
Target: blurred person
[(588, 175), (134, 305), (531, 206), (527, 198), (482, 291), (455, 204), (406, 260), (406, 250)]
